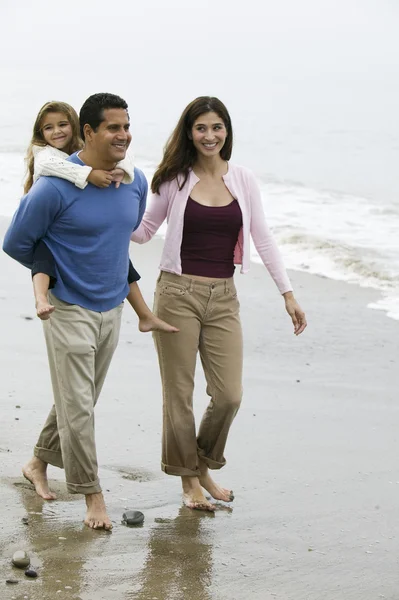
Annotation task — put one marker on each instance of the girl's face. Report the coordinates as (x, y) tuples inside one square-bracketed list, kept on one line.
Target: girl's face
[(209, 134), (57, 130)]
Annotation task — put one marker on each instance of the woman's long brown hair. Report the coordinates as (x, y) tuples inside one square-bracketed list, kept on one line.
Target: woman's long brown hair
[(38, 139), (179, 152)]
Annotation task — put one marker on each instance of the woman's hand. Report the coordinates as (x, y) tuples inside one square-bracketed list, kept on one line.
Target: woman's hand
[(100, 178), (117, 176), (296, 313)]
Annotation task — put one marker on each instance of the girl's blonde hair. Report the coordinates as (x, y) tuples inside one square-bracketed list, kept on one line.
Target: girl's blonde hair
[(38, 139)]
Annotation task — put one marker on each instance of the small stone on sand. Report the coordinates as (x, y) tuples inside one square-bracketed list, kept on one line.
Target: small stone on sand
[(132, 517), (21, 559), (31, 573)]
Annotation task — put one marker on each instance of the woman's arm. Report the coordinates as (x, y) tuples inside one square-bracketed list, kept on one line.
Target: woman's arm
[(52, 162), (153, 217), (271, 257), (264, 241)]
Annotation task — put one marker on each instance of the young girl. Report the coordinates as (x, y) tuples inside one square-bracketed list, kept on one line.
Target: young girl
[(55, 137), (212, 207)]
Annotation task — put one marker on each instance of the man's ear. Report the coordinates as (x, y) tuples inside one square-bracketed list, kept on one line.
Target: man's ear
[(88, 132)]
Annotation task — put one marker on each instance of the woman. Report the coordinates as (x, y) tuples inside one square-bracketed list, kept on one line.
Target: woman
[(212, 207)]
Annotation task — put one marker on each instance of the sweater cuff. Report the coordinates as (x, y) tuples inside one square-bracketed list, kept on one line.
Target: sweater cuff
[(81, 179)]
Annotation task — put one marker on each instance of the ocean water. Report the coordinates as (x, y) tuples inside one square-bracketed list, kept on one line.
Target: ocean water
[(323, 232), (312, 89)]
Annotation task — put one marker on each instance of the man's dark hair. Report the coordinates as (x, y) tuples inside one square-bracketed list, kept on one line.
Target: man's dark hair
[(92, 111)]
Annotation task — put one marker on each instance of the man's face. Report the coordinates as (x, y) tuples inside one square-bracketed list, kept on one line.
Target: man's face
[(112, 138)]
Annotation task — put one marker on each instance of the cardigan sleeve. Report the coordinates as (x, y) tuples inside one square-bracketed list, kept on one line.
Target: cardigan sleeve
[(52, 162), (153, 217), (264, 241)]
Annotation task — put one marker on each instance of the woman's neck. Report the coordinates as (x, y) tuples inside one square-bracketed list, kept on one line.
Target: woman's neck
[(214, 166)]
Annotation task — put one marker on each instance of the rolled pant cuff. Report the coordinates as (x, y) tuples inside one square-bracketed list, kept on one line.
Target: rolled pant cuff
[(93, 487), (180, 471), (52, 457), (210, 463)]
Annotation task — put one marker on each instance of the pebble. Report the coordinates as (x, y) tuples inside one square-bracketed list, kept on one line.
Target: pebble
[(25, 520), (11, 580), (132, 517), (21, 559), (31, 573)]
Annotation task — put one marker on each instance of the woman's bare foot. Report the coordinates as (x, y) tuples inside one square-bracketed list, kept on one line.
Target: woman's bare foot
[(215, 490), (36, 472), (193, 496), (44, 308), (96, 515), (152, 323)]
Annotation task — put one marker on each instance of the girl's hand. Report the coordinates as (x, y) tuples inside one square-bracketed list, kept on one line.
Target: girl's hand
[(117, 176), (100, 178), (296, 313)]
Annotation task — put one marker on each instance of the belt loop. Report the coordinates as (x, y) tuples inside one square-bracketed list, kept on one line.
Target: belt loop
[(191, 288), (226, 288)]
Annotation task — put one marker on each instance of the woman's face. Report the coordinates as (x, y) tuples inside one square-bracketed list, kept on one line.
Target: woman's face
[(57, 130), (209, 134)]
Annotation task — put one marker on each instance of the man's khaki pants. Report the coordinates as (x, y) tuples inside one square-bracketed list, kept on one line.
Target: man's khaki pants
[(80, 345), (207, 315)]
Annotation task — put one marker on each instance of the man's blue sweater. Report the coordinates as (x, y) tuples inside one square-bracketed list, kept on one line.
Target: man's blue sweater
[(88, 231)]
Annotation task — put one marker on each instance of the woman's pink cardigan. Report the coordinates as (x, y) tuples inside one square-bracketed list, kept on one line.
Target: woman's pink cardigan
[(171, 202)]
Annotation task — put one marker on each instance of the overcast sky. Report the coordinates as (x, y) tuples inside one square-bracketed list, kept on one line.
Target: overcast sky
[(314, 66)]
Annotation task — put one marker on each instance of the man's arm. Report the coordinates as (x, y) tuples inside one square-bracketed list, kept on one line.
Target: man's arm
[(143, 195), (36, 212)]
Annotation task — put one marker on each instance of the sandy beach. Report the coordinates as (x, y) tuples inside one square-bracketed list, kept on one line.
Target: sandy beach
[(312, 459)]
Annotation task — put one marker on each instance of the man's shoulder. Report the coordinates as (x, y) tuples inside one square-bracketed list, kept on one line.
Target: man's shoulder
[(139, 178), (52, 186)]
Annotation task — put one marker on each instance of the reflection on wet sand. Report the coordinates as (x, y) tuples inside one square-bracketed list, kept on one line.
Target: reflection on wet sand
[(179, 560), (59, 545)]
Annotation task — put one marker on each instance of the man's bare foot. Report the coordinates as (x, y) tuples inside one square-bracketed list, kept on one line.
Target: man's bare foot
[(215, 490), (193, 496), (36, 472), (96, 515), (152, 323), (44, 308)]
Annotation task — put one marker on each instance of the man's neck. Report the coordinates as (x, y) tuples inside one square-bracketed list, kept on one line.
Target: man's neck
[(91, 159)]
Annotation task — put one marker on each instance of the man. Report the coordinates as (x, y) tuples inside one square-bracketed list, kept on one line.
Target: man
[(88, 231)]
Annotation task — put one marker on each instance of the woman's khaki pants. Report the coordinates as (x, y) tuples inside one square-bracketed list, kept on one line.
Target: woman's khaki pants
[(207, 315), (80, 345)]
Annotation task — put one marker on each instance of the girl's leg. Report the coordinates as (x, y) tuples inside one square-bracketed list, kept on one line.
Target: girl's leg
[(41, 283), (177, 354), (147, 320), (221, 353), (43, 278)]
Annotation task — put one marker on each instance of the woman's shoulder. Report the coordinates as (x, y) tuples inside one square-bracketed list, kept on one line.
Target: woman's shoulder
[(241, 173)]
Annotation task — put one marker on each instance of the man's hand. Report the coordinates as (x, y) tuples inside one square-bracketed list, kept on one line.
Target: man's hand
[(100, 178), (117, 176), (296, 313)]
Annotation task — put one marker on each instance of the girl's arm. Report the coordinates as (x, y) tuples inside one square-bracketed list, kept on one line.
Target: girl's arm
[(127, 165), (153, 217), (52, 162)]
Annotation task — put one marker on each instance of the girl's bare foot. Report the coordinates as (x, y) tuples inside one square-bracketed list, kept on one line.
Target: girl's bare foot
[(152, 323), (215, 490), (96, 515), (36, 472), (193, 496), (44, 308)]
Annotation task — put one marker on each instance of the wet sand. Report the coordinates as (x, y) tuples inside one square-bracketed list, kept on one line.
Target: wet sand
[(312, 459)]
